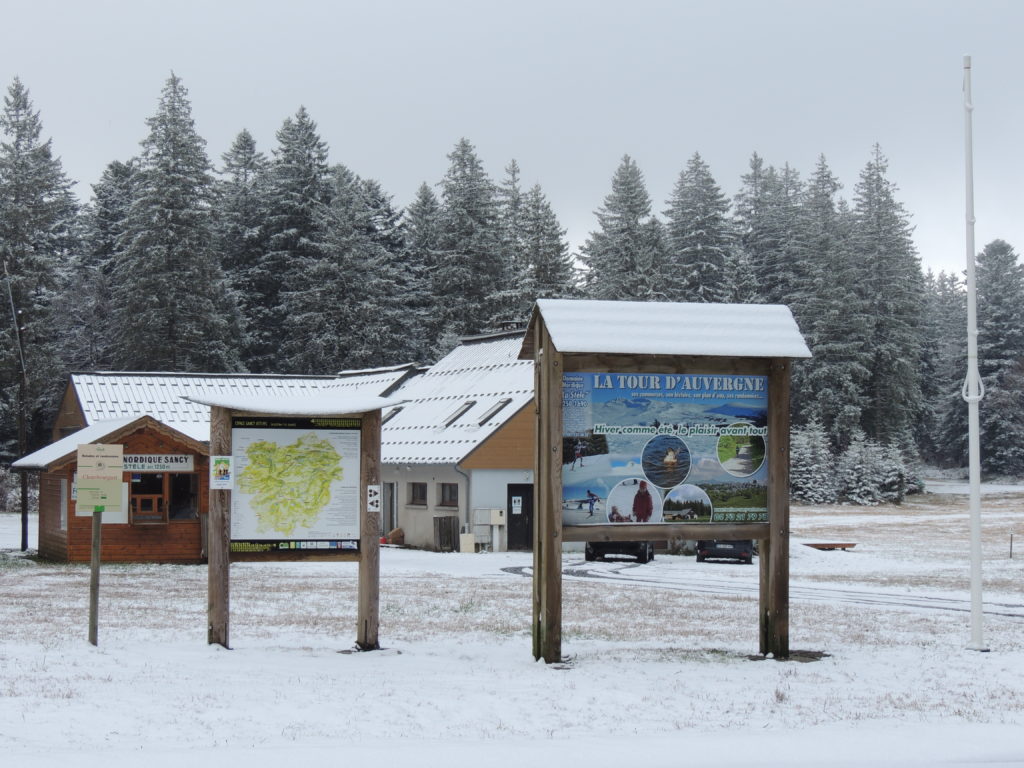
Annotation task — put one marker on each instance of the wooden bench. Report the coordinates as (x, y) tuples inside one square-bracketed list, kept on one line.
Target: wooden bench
[(831, 546)]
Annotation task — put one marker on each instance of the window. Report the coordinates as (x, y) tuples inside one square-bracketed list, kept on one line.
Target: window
[(449, 495), (157, 497), (494, 409), (418, 494), (459, 412)]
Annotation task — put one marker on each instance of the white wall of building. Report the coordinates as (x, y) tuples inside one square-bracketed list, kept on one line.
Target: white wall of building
[(417, 520), (489, 490)]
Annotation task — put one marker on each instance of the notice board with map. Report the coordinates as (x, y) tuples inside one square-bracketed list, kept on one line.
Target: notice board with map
[(296, 483)]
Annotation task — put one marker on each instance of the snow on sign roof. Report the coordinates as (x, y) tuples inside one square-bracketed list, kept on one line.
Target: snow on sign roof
[(324, 403), (653, 328)]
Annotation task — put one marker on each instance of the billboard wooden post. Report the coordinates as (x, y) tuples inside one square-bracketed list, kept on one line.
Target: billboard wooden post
[(218, 537), (368, 620), (717, 375), (547, 529), (774, 607)]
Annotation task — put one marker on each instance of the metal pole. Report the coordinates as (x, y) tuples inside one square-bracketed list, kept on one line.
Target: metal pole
[(94, 576), (973, 389)]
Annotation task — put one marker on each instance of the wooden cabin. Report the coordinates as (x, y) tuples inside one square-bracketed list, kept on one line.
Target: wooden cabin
[(163, 502)]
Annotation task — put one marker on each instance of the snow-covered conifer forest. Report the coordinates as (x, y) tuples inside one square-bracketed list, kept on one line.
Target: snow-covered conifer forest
[(282, 260)]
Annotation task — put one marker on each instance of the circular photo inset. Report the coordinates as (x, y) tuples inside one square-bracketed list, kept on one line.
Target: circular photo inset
[(687, 504), (666, 461), (634, 500), (740, 453)]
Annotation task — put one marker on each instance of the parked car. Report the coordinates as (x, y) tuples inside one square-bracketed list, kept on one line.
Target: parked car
[(726, 549), (643, 551)]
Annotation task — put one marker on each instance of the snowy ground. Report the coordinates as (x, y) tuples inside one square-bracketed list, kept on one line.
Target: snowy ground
[(661, 665)]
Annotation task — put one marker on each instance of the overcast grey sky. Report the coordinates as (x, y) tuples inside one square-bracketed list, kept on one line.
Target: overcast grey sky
[(565, 87)]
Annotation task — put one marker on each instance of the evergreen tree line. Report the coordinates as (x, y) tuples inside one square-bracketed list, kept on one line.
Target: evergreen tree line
[(288, 263)]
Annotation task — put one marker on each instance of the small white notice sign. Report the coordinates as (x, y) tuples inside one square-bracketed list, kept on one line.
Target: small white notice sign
[(222, 478)]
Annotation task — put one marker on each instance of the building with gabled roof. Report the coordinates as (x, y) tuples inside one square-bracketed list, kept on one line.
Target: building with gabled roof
[(453, 448), (461, 447), (166, 433)]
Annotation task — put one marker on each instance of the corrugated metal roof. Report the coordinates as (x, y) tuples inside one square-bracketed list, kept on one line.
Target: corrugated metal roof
[(164, 396), (652, 328), (480, 374)]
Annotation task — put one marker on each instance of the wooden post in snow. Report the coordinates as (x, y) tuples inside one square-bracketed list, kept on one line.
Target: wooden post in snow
[(369, 538), (547, 530), (94, 575), (774, 610), (219, 536)]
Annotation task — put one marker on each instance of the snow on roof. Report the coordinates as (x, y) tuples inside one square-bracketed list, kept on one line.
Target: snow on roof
[(653, 328), (176, 399), (458, 403), (67, 446)]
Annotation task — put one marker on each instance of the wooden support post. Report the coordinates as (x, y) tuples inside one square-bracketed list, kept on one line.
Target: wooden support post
[(94, 579), (775, 614), (369, 536), (547, 541), (219, 537)]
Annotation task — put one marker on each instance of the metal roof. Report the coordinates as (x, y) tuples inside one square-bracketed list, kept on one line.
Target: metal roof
[(458, 403), (179, 400), (653, 328), (481, 382)]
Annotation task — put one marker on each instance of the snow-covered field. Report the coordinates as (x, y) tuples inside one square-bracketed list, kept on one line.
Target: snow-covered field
[(661, 665)]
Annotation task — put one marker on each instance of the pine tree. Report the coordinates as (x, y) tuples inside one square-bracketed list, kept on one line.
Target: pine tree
[(511, 294), (860, 471), (893, 287), (421, 227), (298, 190), (104, 220), (812, 473), (699, 237), (1000, 302), (322, 330), (769, 218), (830, 388), (548, 265), (238, 234), (37, 235), (172, 308), (625, 258), (469, 269), (943, 433)]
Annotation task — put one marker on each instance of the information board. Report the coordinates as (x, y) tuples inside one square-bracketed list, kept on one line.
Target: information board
[(296, 483), (664, 448)]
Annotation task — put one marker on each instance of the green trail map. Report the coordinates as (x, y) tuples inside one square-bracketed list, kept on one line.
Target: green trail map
[(297, 480), (290, 484)]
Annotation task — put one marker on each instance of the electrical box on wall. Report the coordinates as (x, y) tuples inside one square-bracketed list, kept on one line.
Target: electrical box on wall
[(497, 517)]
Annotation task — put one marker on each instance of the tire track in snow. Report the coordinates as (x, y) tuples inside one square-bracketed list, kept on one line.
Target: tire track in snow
[(622, 573)]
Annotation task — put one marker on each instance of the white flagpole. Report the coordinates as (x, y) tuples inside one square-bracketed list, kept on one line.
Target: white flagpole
[(973, 389)]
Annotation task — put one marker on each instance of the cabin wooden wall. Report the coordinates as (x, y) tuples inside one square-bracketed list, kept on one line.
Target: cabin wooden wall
[(179, 541), (511, 447), (53, 542)]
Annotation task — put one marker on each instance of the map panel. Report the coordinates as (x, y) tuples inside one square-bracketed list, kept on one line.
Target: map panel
[(297, 480)]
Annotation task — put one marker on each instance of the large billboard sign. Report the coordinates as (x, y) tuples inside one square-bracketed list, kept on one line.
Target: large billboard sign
[(296, 483), (664, 448)]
